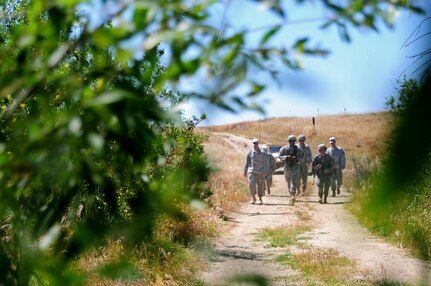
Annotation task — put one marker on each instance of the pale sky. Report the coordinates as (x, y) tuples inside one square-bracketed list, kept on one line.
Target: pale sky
[(355, 77)]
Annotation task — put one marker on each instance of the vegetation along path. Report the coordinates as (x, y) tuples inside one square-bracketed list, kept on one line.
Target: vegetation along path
[(327, 245)]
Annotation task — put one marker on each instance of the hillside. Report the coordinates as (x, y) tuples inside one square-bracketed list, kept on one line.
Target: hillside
[(362, 136)]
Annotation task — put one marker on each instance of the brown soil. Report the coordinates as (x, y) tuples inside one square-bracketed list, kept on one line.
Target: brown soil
[(238, 253)]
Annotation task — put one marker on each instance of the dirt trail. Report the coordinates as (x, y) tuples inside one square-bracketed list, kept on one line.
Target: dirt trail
[(238, 253)]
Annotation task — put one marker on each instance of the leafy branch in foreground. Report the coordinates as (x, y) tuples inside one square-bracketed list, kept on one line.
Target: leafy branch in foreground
[(88, 148)]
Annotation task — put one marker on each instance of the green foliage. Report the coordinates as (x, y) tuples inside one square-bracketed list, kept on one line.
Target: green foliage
[(89, 147), (283, 237), (406, 219), (407, 91), (396, 202)]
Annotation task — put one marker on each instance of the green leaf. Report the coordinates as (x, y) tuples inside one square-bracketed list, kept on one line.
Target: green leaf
[(299, 46), (417, 9), (342, 30), (268, 35), (110, 97)]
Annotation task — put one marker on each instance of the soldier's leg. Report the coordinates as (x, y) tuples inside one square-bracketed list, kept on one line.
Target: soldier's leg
[(287, 177), (339, 180), (298, 183), (304, 175), (326, 189), (252, 186), (294, 181), (260, 187), (320, 186), (333, 183), (269, 183)]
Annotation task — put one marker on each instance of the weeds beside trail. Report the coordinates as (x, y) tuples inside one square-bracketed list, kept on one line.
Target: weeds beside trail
[(355, 256)]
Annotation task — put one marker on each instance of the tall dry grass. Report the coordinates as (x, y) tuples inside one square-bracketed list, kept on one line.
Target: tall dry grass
[(360, 135), (227, 181)]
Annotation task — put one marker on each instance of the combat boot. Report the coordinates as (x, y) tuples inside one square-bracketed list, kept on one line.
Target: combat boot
[(338, 191), (325, 201), (333, 193)]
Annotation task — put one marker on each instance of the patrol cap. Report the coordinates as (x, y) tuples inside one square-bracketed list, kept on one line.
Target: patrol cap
[(332, 139), (255, 141), (301, 137), (321, 147), (291, 138)]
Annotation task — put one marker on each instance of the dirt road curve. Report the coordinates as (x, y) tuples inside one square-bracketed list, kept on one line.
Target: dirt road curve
[(238, 252)]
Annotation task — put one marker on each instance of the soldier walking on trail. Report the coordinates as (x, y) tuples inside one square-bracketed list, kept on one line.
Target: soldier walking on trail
[(323, 168), (303, 164), (291, 155), (255, 168), (337, 153), (271, 168)]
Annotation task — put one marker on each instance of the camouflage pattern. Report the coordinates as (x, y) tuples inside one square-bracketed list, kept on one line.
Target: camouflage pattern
[(324, 174), (255, 165), (291, 155), (337, 153), (271, 167), (303, 165)]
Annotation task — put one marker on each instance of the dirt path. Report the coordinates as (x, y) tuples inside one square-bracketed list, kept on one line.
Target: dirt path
[(238, 252)]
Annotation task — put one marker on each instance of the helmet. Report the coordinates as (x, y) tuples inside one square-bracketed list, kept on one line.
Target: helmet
[(291, 138), (301, 137), (321, 147), (332, 139), (255, 141)]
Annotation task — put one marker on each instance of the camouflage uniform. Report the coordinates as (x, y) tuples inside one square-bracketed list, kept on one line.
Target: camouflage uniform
[(324, 173), (271, 168), (256, 165), (291, 155), (337, 153), (303, 166)]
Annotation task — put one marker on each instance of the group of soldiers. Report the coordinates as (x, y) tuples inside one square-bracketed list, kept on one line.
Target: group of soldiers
[(327, 166)]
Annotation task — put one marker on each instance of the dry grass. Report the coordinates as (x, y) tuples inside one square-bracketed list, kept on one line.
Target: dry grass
[(326, 265), (360, 135), (227, 182)]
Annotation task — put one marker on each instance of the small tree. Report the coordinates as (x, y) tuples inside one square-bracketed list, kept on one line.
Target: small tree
[(407, 92)]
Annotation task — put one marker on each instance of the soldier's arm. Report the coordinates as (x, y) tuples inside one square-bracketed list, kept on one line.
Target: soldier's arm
[(309, 156), (314, 167), (247, 163), (265, 165), (332, 166), (342, 159), (272, 159), (281, 153)]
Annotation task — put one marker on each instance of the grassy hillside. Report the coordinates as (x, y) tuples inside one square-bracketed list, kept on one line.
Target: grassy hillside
[(360, 135)]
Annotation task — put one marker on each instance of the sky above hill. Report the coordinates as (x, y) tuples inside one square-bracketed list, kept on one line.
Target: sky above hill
[(356, 77)]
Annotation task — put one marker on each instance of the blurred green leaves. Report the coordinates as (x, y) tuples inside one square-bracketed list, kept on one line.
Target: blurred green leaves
[(89, 146)]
